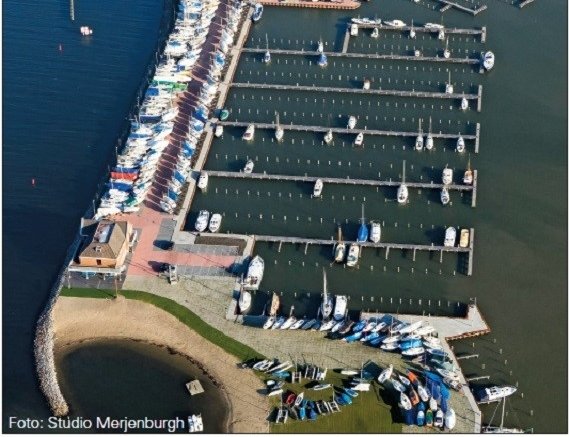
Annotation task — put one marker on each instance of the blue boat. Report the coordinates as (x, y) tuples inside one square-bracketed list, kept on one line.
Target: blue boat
[(363, 232), (420, 418), (131, 170), (312, 414), (281, 374), (302, 413), (371, 336), (437, 352), (353, 337), (409, 344), (360, 325), (322, 60), (351, 393), (340, 401), (257, 13), (378, 340), (346, 399)]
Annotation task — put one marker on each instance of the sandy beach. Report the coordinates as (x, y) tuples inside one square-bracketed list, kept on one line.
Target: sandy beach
[(80, 319)]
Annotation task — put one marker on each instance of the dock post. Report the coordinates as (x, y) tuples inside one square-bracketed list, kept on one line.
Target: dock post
[(474, 187), (387, 252), (471, 252), (477, 140), (479, 100)]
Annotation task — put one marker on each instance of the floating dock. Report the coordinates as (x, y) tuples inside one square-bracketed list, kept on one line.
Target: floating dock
[(340, 130), (345, 54), (419, 29), (341, 4), (449, 4), (371, 91)]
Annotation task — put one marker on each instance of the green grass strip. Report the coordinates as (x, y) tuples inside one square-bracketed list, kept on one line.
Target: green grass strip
[(183, 314)]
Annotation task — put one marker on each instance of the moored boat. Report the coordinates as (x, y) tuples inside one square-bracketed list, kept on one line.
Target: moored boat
[(203, 180), (445, 196), (450, 237), (202, 221), (254, 274), (353, 255), (359, 139), (487, 60), (341, 307), (249, 132), (352, 122), (318, 185), (215, 222), (249, 166)]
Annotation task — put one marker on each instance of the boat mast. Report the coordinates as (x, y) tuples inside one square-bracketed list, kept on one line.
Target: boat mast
[(325, 291), (278, 124), (430, 125), (267, 40), (420, 131), (363, 218), (403, 180), (503, 412)]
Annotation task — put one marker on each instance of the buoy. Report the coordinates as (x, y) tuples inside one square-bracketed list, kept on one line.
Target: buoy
[(60, 48), (33, 182)]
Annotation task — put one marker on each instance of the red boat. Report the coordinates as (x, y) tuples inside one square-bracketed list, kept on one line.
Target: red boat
[(412, 377), (125, 176), (413, 396), (290, 399)]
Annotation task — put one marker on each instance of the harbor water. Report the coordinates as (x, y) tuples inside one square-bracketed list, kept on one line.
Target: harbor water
[(63, 117)]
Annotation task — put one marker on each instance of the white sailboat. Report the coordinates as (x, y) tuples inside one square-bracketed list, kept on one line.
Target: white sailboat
[(279, 131), (249, 166), (460, 144), (367, 84), (375, 32), (449, 88), (419, 139), (500, 429), (320, 48), (468, 174), (447, 175), (328, 137), (412, 33), (326, 306), (445, 196), (352, 122), (464, 103), (249, 133), (403, 191), (267, 56), (429, 144), (340, 248), (446, 51)]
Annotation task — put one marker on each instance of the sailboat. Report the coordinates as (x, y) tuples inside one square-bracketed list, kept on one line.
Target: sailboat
[(326, 306), (403, 191), (460, 145), (467, 179), (412, 33), (430, 142), (267, 57), (464, 103), (320, 48), (419, 139), (318, 185), (340, 248), (446, 51), (449, 89), (244, 299), (363, 232), (279, 131), (445, 196), (359, 139), (329, 136), (500, 429)]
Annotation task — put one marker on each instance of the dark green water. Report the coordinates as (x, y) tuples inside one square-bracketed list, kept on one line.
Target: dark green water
[(519, 279), (63, 111), (116, 378)]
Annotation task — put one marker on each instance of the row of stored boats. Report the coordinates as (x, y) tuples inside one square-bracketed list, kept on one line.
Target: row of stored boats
[(134, 174)]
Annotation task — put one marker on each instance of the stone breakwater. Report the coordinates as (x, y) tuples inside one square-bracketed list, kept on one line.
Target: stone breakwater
[(43, 342)]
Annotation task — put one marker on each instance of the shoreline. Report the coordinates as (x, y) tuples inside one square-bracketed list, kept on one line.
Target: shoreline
[(80, 320)]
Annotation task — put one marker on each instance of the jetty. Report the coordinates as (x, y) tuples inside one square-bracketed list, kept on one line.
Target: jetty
[(376, 92), (339, 130), (342, 181), (450, 4), (345, 54), (420, 29), (322, 4)]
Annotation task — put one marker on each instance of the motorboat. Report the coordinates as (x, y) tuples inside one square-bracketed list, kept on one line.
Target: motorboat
[(375, 32), (449, 88), (215, 222), (218, 131), (254, 274), (464, 103), (328, 137), (398, 386), (257, 13), (289, 322), (404, 380), (353, 255), (447, 175), (320, 47), (495, 393), (298, 324), (352, 122), (402, 190), (322, 60), (339, 252), (375, 234), (450, 237), (353, 29), (267, 57), (278, 323), (340, 308), (326, 326), (488, 60), (405, 402), (460, 144), (203, 180), (413, 351), (385, 374), (464, 238), (359, 139), (363, 232), (269, 322), (249, 133), (423, 393), (439, 419), (249, 166), (394, 23), (441, 34), (202, 221), (223, 114), (410, 328), (433, 26), (326, 306), (417, 53), (279, 131), (367, 84), (450, 419), (318, 185)]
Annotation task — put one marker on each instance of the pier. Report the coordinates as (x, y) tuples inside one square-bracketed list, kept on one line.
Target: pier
[(340, 130), (338, 4), (449, 4), (377, 92), (340, 181), (345, 54), (448, 30)]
